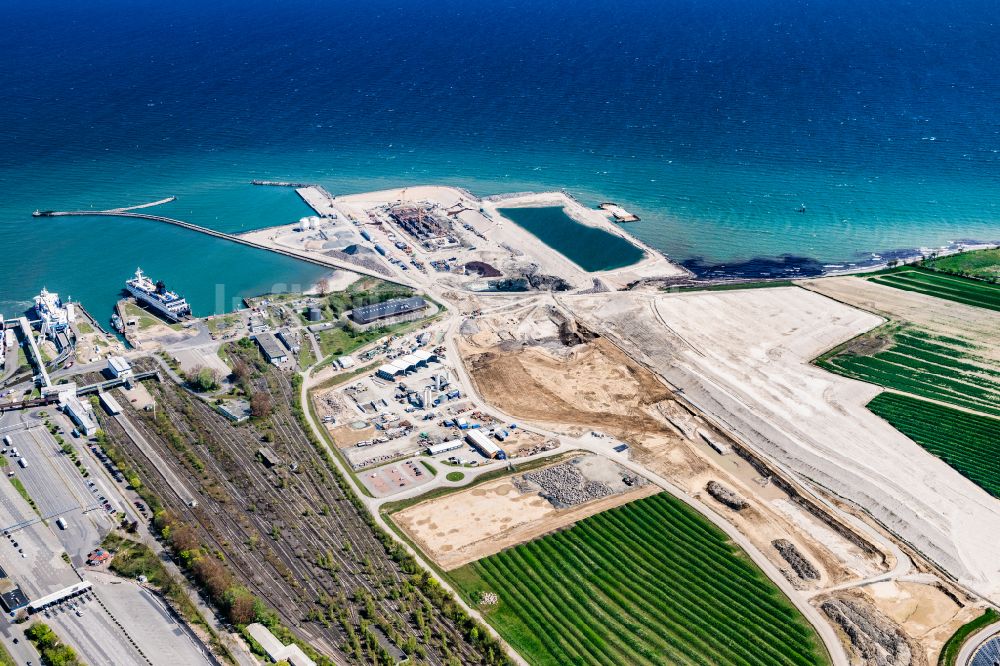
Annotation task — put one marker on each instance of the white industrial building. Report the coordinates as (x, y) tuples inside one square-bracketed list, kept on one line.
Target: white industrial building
[(444, 447), (345, 362), (406, 363), (275, 649), (119, 367), (423, 356), (483, 443), (58, 390), (272, 350), (80, 412), (389, 371), (289, 339)]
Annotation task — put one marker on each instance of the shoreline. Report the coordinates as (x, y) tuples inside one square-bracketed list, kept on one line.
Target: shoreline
[(655, 265), (587, 215), (911, 257)]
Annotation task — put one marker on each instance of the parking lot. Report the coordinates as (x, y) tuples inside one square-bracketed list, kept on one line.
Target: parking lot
[(73, 515), (81, 508), (395, 478)]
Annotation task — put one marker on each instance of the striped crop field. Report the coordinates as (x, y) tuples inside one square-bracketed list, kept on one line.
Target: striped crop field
[(967, 442), (936, 368), (650, 582), (950, 287)]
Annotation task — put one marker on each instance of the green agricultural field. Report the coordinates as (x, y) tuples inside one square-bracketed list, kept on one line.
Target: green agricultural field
[(950, 287), (936, 368), (982, 264), (651, 582), (968, 442)]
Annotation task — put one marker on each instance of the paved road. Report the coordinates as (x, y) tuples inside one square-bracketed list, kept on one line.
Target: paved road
[(22, 652), (974, 641)]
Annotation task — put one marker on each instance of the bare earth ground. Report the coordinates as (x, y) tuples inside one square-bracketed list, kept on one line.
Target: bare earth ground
[(923, 611), (465, 526), (743, 357), (595, 385)]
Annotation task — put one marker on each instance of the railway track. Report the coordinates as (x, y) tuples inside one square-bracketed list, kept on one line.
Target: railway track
[(271, 525)]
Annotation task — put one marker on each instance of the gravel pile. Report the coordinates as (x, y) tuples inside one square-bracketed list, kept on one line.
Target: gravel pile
[(802, 567), (726, 496), (563, 485), (875, 638)]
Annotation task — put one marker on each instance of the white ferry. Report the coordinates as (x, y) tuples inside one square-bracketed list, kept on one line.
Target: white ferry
[(156, 296), (51, 311)]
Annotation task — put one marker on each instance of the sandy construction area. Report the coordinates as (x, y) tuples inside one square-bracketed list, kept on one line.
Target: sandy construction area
[(504, 235), (594, 386), (518, 363), (468, 525), (597, 386), (653, 264), (923, 611), (743, 358)]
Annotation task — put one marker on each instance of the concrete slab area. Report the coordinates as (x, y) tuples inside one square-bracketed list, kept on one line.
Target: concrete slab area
[(159, 634), (200, 357), (93, 633)]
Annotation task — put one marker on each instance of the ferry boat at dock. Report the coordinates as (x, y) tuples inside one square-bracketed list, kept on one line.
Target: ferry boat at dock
[(157, 297), (52, 313)]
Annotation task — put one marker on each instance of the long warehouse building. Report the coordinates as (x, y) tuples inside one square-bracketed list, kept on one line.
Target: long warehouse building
[(444, 447), (484, 444), (366, 314)]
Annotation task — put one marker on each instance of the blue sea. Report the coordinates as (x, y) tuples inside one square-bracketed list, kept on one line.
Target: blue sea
[(714, 120)]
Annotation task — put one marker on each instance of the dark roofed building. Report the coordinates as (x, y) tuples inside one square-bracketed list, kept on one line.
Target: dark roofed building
[(366, 314), (273, 350), (11, 596)]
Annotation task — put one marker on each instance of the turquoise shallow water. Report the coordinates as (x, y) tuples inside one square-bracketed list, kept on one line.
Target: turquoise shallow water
[(590, 248), (714, 121)]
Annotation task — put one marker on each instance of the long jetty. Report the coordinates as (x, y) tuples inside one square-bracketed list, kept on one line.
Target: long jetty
[(279, 183), (324, 261)]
